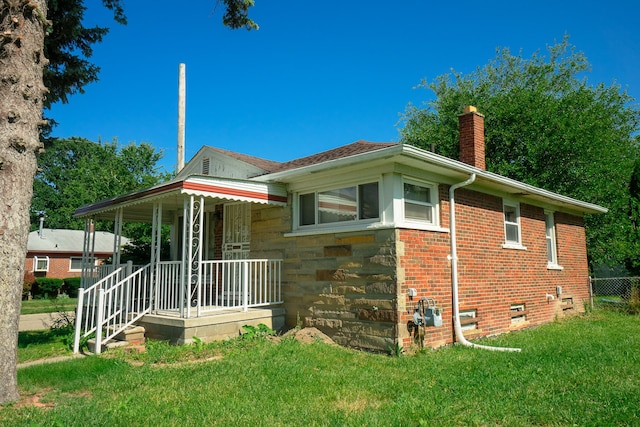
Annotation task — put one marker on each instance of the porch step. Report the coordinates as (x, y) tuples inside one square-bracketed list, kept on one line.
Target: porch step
[(132, 336)]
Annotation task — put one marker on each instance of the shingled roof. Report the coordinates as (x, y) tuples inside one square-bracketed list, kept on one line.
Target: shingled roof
[(352, 149), (269, 166)]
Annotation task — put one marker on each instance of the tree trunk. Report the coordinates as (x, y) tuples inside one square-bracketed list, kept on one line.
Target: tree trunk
[(22, 30)]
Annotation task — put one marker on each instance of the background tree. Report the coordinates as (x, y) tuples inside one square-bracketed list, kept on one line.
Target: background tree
[(74, 172), (545, 126), (23, 25)]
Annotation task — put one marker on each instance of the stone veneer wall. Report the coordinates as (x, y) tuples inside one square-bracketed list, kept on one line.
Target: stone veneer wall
[(344, 284)]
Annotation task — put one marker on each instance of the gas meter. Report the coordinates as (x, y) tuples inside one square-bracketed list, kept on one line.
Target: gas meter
[(427, 314)]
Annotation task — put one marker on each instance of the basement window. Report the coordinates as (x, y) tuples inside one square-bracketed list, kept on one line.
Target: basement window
[(469, 320), (518, 313), (41, 263)]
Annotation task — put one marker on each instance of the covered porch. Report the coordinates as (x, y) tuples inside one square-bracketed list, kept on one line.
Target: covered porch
[(208, 288)]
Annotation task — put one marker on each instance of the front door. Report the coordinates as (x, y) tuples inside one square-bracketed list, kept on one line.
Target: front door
[(237, 231)]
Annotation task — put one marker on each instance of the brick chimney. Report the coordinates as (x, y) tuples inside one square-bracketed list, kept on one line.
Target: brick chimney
[(471, 125)]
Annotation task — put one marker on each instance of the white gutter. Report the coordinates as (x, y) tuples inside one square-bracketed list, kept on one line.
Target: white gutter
[(400, 151), (454, 271)]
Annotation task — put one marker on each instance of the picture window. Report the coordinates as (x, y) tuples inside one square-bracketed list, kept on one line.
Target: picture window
[(341, 205)]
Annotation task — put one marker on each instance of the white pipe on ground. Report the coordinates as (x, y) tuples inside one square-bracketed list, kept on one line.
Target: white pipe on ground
[(454, 271)]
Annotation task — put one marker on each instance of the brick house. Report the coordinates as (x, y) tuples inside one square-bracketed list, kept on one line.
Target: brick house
[(356, 240), (58, 253)]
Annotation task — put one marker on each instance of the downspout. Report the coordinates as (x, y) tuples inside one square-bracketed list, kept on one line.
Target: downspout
[(454, 272)]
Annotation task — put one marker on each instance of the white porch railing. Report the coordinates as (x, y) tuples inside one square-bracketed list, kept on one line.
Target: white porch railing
[(110, 305), (123, 296), (221, 285), (95, 273)]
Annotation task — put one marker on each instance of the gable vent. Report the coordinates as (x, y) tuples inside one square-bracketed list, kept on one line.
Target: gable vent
[(205, 166)]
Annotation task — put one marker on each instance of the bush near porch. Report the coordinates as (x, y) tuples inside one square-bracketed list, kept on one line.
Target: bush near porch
[(583, 370)]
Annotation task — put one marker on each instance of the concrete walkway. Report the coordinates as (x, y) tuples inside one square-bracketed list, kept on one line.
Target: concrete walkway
[(49, 360), (36, 322)]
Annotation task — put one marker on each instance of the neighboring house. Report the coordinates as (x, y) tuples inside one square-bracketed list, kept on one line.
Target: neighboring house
[(354, 240), (58, 253)]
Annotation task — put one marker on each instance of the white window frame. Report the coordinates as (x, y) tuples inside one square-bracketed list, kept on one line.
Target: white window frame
[(79, 258), (337, 224), (432, 204), (36, 260), (550, 237), (512, 244)]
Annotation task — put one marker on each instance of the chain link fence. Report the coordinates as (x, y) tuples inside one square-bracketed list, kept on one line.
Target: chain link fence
[(614, 290)]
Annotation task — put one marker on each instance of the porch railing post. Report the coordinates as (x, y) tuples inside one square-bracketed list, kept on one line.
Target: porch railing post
[(76, 338), (99, 320), (245, 285)]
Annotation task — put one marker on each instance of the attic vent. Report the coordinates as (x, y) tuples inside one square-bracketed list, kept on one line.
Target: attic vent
[(205, 166)]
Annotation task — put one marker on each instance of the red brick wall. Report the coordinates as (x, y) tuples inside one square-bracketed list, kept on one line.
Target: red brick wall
[(58, 266), (492, 278)]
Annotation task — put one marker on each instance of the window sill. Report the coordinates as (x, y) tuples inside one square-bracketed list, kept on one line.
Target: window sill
[(551, 266), (418, 226), (343, 229), (365, 227), (514, 246)]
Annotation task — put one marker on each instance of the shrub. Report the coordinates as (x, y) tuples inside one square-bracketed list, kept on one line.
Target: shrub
[(27, 285), (49, 286), (71, 286)]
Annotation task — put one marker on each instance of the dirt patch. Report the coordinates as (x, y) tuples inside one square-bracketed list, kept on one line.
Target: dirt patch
[(34, 400), (308, 336)]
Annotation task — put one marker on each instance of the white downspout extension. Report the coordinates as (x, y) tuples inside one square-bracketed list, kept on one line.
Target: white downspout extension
[(454, 271)]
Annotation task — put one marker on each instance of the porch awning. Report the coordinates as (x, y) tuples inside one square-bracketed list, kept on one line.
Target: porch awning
[(138, 205)]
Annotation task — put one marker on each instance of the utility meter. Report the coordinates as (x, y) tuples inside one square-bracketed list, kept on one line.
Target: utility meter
[(427, 314)]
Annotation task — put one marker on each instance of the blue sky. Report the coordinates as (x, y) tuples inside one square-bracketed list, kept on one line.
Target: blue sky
[(317, 74)]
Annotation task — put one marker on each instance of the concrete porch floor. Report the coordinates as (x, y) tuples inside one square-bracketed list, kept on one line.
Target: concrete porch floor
[(215, 326)]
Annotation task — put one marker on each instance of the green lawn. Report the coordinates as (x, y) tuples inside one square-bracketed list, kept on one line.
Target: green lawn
[(48, 305), (582, 371), (44, 344)]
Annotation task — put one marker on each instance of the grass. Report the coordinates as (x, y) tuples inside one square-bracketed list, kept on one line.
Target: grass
[(581, 371), (44, 344), (47, 305)]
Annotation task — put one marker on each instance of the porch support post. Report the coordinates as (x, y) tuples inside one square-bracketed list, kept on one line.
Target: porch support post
[(85, 276), (117, 240), (88, 255), (156, 248), (194, 252), (185, 256)]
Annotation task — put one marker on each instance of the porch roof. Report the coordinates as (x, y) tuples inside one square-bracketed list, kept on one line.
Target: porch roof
[(139, 204)]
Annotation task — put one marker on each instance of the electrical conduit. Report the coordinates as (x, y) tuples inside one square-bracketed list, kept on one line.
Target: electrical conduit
[(454, 272)]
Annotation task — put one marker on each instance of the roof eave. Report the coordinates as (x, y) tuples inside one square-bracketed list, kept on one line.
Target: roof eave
[(451, 168)]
